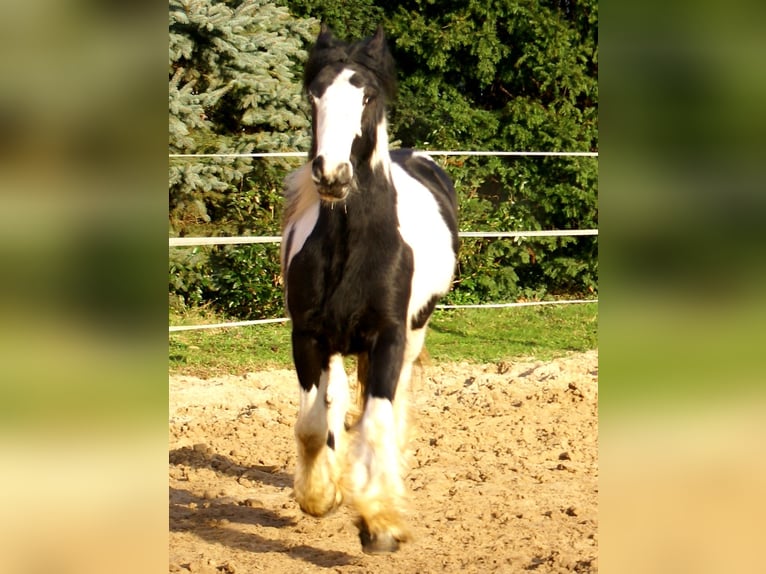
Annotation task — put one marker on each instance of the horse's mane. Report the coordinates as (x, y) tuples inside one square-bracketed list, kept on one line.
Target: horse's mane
[(371, 53), (300, 192)]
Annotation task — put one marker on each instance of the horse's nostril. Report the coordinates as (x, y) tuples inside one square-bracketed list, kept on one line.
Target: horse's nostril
[(343, 176), (317, 169), (333, 179)]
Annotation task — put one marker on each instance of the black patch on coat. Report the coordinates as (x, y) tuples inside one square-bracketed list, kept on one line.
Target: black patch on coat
[(421, 317)]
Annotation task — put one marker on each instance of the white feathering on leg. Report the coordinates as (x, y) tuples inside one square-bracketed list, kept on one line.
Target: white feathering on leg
[(319, 467), (375, 486)]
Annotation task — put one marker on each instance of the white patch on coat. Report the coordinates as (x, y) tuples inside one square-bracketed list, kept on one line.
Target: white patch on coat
[(311, 427), (424, 230), (337, 398), (324, 406), (376, 466), (373, 482), (380, 155)]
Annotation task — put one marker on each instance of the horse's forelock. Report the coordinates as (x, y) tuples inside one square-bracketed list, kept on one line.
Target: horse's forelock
[(371, 53), (320, 58)]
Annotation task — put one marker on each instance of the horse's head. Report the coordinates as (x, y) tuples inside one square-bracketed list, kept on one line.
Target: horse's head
[(348, 86)]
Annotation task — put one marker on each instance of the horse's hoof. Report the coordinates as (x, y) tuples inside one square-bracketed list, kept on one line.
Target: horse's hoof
[(319, 512), (321, 508), (324, 504), (382, 543)]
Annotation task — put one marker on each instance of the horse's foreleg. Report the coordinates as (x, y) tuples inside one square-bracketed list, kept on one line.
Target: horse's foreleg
[(374, 480), (376, 463), (319, 431)]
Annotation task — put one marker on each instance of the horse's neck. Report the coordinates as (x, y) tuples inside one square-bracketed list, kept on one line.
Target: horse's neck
[(374, 183), (380, 154)]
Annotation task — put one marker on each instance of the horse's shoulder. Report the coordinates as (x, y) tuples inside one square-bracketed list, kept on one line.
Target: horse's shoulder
[(421, 167)]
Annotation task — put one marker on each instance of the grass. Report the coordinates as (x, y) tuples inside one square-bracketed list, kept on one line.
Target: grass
[(493, 335), (474, 335)]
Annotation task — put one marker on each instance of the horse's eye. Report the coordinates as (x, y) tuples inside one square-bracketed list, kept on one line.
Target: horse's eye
[(367, 100)]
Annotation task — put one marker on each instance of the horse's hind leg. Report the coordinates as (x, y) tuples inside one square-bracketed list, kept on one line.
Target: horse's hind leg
[(320, 436)]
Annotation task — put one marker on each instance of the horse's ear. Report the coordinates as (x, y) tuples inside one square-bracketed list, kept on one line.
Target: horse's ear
[(377, 50), (377, 45), (325, 37)]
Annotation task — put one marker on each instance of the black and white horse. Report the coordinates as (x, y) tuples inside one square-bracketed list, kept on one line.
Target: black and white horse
[(369, 245)]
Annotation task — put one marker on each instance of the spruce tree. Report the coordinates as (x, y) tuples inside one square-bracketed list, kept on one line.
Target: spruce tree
[(234, 87), (235, 71)]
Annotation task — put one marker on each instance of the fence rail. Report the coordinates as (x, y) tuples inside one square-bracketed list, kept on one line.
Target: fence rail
[(476, 306), (429, 152), (241, 240)]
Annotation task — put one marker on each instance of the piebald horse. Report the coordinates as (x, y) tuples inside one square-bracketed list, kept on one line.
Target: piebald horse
[(369, 246)]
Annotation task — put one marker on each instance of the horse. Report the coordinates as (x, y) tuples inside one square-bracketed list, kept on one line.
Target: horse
[(369, 245)]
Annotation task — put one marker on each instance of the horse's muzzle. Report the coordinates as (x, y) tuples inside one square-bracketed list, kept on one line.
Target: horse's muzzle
[(333, 182)]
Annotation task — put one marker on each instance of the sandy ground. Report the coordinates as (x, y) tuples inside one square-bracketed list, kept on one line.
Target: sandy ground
[(504, 475)]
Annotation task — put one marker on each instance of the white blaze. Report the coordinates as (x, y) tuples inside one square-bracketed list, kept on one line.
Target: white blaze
[(338, 120)]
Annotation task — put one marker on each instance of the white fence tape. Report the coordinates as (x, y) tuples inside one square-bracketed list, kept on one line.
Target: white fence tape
[(195, 241), (429, 152), (477, 306)]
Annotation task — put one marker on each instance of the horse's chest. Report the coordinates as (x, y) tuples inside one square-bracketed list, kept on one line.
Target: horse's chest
[(346, 278), (355, 265)]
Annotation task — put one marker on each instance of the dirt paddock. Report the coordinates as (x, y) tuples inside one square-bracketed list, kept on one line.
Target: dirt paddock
[(504, 475)]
